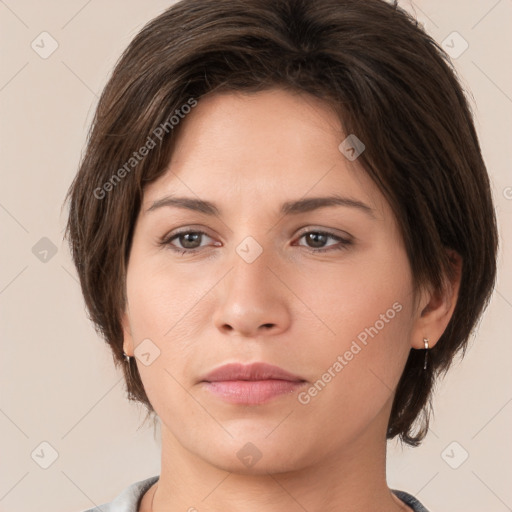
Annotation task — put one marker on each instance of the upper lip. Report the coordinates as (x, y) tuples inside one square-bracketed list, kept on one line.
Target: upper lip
[(254, 371)]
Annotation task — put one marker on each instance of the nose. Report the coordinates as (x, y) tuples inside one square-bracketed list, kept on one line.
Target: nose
[(252, 300)]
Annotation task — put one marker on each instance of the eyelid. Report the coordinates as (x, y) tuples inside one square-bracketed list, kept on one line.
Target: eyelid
[(326, 231)]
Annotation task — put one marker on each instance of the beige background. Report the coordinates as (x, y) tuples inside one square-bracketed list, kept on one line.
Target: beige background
[(58, 383)]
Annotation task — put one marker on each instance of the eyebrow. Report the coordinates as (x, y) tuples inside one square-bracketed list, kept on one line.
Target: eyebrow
[(287, 208)]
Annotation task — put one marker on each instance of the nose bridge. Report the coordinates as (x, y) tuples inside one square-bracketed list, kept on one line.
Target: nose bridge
[(251, 263), (251, 299)]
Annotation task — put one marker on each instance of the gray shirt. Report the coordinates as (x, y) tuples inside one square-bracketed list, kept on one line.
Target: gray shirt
[(129, 500)]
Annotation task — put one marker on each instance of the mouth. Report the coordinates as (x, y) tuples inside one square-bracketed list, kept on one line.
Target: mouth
[(252, 384)]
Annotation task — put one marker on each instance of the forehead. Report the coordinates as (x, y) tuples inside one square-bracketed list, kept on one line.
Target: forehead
[(262, 147)]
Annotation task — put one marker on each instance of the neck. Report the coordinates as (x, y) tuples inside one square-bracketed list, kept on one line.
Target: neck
[(351, 477)]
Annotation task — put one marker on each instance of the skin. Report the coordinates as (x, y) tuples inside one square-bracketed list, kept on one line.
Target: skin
[(291, 307)]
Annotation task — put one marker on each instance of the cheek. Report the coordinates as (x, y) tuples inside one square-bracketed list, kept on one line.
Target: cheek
[(171, 309), (364, 338), (164, 303), (354, 375), (162, 311), (373, 290)]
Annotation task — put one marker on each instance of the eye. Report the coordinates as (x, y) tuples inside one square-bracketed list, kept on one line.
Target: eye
[(318, 239), (189, 241)]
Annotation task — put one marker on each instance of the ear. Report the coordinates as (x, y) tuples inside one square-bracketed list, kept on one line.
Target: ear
[(127, 332), (435, 308)]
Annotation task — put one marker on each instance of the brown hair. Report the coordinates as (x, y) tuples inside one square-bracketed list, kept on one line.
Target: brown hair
[(393, 87)]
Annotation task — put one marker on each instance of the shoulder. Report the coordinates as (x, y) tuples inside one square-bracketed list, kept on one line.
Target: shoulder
[(129, 499), (410, 500)]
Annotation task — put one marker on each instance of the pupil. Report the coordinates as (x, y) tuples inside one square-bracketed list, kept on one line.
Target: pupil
[(317, 238), (187, 239)]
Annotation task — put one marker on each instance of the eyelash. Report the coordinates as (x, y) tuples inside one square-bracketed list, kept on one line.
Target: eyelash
[(166, 241)]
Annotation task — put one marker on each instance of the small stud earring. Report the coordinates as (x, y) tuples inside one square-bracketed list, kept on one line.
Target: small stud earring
[(425, 341), (126, 357)]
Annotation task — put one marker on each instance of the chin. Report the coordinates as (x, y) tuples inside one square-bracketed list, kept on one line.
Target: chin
[(253, 455)]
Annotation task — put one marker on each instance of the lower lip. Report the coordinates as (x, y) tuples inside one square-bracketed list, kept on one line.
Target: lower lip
[(252, 392)]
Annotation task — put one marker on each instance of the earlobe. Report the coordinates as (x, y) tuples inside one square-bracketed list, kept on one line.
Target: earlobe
[(437, 306)]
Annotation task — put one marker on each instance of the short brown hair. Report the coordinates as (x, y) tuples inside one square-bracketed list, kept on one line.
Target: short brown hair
[(392, 86)]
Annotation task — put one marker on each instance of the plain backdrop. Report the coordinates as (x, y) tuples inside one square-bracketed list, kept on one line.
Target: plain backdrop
[(62, 403)]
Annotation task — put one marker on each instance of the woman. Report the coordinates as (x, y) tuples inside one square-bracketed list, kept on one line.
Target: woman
[(284, 230)]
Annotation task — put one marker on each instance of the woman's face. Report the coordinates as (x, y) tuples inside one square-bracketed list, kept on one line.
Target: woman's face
[(267, 274)]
